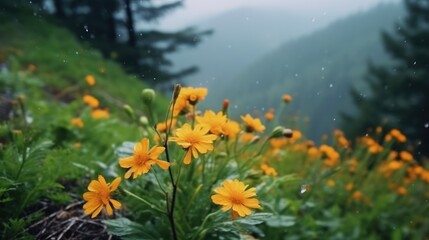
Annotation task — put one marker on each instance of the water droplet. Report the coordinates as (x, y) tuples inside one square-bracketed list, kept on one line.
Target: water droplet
[(313, 19), (296, 74), (415, 63), (235, 106), (331, 85), (335, 119), (303, 189), (77, 53), (426, 125), (323, 69)]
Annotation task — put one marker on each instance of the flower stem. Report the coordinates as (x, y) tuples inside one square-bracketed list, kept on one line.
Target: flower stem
[(143, 200)]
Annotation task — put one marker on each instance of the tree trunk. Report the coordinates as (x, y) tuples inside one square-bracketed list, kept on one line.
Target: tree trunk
[(130, 24), (59, 10)]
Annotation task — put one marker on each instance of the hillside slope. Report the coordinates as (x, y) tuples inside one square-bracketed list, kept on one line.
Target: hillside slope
[(317, 70), (61, 62)]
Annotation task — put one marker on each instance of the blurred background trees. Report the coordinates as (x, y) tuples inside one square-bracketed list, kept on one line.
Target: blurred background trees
[(118, 28), (399, 92)]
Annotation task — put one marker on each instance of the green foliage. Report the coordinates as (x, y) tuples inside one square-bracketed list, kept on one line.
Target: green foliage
[(397, 95)]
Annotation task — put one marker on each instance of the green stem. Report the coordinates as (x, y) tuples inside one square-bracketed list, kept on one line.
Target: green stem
[(24, 158), (143, 200)]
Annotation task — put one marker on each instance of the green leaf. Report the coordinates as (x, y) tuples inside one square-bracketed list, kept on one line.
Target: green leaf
[(127, 229), (281, 221), (254, 219)]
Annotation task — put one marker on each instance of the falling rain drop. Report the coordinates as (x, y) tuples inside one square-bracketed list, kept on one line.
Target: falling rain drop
[(331, 85), (426, 125)]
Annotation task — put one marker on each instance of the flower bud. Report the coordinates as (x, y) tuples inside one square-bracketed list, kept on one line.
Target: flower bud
[(129, 111), (144, 121), (225, 106), (278, 132), (287, 98), (148, 96), (288, 133), (176, 91)]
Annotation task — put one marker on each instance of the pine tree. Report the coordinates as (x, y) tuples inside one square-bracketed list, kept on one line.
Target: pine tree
[(399, 92)]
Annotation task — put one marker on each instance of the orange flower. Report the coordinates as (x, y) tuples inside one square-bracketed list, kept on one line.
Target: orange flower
[(32, 67), (99, 197), (91, 101), (269, 171), (406, 156), (233, 195), (287, 98), (230, 129), (90, 80), (195, 140), (143, 159), (100, 113), (193, 95), (77, 122), (214, 121), (252, 124), (269, 115), (163, 126)]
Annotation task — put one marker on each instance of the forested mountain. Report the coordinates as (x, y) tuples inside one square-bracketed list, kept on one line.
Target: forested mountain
[(240, 37), (318, 70)]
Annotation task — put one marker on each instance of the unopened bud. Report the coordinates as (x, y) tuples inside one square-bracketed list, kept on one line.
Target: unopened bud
[(287, 98), (176, 91), (288, 133), (144, 121), (255, 139), (129, 111), (277, 132), (148, 96), (225, 106)]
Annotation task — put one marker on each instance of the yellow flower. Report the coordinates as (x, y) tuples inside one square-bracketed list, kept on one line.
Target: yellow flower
[(349, 186), (395, 133), (330, 183), (163, 126), (91, 101), (406, 156), (269, 115), (357, 195), (230, 129), (213, 120), (195, 140), (252, 124), (100, 113), (268, 170), (143, 159), (193, 95), (98, 196), (90, 80), (77, 122), (233, 195), (180, 106)]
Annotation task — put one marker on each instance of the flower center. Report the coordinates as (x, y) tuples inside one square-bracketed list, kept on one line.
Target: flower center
[(237, 199), (192, 138), (141, 158)]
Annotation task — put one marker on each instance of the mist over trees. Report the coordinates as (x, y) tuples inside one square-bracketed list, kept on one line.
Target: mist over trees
[(116, 28), (398, 92)]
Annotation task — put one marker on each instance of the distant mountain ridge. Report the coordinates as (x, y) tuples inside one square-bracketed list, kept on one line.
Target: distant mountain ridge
[(240, 37), (318, 70)]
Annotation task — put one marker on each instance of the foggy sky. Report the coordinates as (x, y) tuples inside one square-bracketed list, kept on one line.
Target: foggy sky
[(199, 10)]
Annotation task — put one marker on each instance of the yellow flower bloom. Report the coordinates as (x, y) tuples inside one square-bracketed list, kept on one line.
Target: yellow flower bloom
[(99, 197), (90, 80), (193, 95), (143, 159), (233, 195), (330, 183), (91, 101), (213, 120), (230, 129), (269, 171), (77, 122), (253, 124), (195, 140), (406, 156), (100, 113), (163, 126)]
